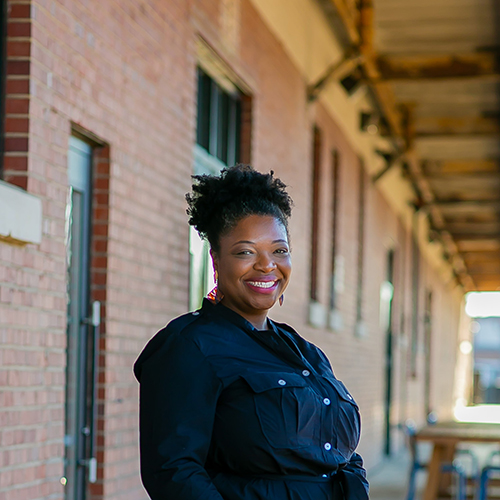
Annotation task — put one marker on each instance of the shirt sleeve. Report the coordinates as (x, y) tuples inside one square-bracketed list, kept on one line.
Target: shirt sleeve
[(178, 397), (355, 483)]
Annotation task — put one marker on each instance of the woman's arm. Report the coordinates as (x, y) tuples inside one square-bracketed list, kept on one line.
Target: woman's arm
[(355, 483), (178, 397)]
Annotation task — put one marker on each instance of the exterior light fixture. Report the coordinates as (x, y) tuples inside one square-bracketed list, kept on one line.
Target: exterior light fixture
[(370, 123)]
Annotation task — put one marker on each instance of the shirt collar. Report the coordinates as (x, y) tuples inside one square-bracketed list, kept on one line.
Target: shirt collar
[(232, 316)]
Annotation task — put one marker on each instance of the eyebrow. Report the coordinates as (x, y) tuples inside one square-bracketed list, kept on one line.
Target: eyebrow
[(253, 242)]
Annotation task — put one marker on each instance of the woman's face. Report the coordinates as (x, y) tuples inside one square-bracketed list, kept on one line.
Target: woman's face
[(254, 266)]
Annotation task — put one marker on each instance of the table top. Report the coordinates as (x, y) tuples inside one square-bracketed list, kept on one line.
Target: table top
[(460, 431)]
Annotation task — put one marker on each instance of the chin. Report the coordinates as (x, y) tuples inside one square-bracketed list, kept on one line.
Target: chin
[(264, 303)]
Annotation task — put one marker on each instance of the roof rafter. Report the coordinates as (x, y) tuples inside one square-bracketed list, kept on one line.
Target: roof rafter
[(456, 126), (434, 67)]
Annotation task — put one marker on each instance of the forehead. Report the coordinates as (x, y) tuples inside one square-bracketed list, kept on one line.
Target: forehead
[(256, 228)]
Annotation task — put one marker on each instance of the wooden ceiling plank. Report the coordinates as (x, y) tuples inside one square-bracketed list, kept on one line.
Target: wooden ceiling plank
[(468, 207), (460, 166), (415, 67), (467, 125), (401, 133), (489, 245), (473, 228), (478, 238)]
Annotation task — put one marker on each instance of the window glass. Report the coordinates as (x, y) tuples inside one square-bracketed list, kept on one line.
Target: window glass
[(217, 146)]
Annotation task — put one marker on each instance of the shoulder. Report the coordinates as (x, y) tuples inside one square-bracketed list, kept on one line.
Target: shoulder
[(182, 330)]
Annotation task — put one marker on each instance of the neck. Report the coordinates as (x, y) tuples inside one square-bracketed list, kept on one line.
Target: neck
[(258, 321), (259, 325)]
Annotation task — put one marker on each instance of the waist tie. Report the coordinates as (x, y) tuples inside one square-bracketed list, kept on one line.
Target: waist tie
[(334, 479), (326, 478)]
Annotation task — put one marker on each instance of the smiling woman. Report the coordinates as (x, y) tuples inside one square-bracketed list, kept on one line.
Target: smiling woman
[(253, 265), (235, 406)]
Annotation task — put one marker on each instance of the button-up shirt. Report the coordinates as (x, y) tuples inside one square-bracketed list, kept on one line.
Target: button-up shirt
[(229, 412)]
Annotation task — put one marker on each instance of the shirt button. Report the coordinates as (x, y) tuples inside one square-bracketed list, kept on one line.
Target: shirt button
[(281, 382), (196, 313), (306, 373), (327, 446), (326, 401), (325, 475)]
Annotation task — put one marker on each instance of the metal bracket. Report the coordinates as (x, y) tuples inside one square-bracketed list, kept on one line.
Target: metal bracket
[(336, 70)]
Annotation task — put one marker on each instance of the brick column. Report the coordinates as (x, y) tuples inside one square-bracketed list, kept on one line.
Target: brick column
[(17, 99)]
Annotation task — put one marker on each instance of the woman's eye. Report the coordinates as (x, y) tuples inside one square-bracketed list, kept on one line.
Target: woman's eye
[(245, 252), (282, 250)]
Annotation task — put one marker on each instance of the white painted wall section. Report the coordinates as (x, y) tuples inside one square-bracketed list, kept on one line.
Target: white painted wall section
[(20, 215)]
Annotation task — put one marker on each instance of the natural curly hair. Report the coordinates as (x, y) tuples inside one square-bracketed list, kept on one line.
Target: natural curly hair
[(217, 203)]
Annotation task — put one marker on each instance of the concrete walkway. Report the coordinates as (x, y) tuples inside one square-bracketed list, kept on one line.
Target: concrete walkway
[(389, 480)]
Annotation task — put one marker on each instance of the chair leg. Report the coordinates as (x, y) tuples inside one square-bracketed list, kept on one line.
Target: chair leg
[(411, 483), (461, 479), (483, 484), (462, 486), (485, 477)]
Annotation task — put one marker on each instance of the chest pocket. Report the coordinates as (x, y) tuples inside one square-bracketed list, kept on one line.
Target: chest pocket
[(287, 408), (348, 421)]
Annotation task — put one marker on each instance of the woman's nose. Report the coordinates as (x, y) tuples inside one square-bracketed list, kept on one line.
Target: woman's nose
[(265, 263)]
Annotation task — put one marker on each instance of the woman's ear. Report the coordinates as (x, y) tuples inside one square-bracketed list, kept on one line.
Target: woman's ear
[(215, 260)]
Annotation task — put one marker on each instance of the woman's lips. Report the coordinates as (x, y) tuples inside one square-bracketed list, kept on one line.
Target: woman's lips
[(264, 287)]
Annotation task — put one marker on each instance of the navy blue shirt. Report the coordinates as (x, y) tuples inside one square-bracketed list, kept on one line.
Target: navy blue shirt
[(228, 412)]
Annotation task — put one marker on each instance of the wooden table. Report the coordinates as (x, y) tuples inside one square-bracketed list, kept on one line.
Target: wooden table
[(445, 436)]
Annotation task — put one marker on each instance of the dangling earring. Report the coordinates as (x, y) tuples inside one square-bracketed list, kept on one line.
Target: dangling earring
[(282, 299), (215, 295)]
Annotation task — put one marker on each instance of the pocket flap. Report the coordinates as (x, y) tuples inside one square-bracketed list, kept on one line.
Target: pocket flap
[(260, 382), (344, 393)]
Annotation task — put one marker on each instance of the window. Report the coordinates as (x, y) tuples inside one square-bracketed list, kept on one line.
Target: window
[(415, 283), (361, 241), (218, 121), (218, 138), (316, 172), (335, 204)]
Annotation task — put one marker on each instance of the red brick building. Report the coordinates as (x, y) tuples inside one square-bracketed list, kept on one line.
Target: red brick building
[(109, 108)]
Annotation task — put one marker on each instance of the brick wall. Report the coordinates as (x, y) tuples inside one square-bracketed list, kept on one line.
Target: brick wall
[(124, 72)]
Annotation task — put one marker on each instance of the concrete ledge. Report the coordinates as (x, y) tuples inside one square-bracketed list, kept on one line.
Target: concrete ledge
[(20, 216), (317, 314)]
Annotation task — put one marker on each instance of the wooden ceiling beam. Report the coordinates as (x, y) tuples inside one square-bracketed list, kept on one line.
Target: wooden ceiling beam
[(485, 268), (348, 20), (447, 125), (489, 284), (356, 25), (481, 256), (359, 38), (468, 207), (484, 245), (382, 90), (486, 177), (475, 237), (434, 67), (460, 166), (476, 228)]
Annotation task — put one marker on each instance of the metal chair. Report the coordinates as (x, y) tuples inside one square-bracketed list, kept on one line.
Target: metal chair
[(486, 475)]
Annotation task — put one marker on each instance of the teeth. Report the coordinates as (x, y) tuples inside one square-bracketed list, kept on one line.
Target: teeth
[(262, 284)]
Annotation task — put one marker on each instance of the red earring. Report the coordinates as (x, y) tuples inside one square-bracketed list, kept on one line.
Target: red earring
[(215, 295), (282, 299)]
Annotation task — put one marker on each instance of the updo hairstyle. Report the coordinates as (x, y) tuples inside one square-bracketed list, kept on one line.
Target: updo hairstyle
[(218, 202)]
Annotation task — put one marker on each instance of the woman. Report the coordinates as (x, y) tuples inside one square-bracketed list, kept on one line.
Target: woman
[(235, 406)]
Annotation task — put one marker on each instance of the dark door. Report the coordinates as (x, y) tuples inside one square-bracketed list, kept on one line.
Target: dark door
[(80, 367)]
